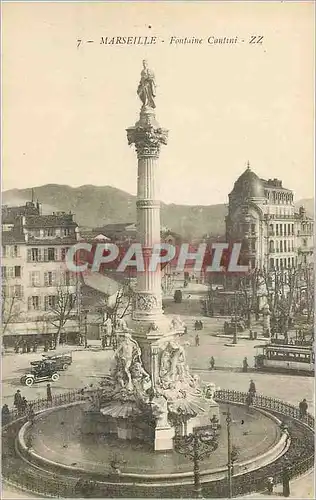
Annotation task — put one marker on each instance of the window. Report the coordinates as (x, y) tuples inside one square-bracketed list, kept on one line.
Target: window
[(50, 254), (34, 255), (4, 251), (9, 272), (64, 253), (3, 272), (50, 302), (17, 271), (34, 278), (50, 232), (50, 278), (18, 291), (33, 303), (66, 231), (16, 251)]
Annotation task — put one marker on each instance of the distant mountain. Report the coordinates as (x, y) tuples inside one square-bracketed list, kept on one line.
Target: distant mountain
[(95, 206)]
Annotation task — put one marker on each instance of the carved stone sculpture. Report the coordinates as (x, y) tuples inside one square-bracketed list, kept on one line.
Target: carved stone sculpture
[(147, 86), (128, 352)]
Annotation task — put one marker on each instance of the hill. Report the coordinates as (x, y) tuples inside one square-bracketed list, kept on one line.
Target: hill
[(98, 205)]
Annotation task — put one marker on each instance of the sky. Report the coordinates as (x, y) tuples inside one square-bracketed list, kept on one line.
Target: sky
[(66, 108)]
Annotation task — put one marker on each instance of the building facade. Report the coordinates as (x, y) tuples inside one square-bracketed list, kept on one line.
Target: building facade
[(37, 289), (261, 215)]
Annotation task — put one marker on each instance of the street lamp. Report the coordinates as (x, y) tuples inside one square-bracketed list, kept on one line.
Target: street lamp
[(197, 446), (232, 454)]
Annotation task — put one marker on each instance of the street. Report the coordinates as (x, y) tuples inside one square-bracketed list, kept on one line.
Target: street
[(89, 365)]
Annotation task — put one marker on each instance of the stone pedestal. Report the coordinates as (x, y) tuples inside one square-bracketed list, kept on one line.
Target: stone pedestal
[(124, 430), (164, 438)]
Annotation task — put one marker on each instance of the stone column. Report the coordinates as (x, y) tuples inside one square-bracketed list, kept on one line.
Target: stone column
[(147, 137), (149, 322)]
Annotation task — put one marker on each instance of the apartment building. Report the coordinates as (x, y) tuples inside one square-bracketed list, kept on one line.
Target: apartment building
[(262, 216), (36, 285)]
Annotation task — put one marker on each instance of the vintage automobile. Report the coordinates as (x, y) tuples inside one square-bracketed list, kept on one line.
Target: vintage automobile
[(43, 371), (62, 360)]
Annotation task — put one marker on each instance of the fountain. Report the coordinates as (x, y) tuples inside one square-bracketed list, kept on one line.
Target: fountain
[(150, 384), (123, 436)]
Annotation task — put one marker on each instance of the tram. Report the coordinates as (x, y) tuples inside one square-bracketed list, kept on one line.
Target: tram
[(285, 358)]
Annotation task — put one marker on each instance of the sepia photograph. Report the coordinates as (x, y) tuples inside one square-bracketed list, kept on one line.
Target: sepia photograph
[(157, 249)]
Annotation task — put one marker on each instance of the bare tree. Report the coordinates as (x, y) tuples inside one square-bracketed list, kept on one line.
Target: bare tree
[(121, 308), (61, 309), (10, 307), (310, 293)]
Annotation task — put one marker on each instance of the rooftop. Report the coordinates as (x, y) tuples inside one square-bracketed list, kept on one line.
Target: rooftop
[(274, 184), (11, 214), (12, 237), (59, 219), (248, 185)]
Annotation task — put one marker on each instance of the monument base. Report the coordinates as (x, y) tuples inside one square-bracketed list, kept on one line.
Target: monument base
[(164, 438)]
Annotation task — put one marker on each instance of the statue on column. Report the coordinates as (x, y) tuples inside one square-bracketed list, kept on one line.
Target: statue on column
[(147, 87)]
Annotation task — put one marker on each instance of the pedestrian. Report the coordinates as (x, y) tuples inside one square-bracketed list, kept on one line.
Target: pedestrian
[(18, 400), (201, 325), (23, 405), (286, 481), (196, 324), (303, 407), (49, 394), (270, 485), (31, 414), (212, 363), (185, 329), (5, 414), (24, 347), (252, 388), (249, 400), (197, 340), (28, 347), (245, 365), (16, 347)]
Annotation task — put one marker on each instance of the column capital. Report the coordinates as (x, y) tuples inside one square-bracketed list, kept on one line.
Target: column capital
[(147, 139), (147, 135)]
